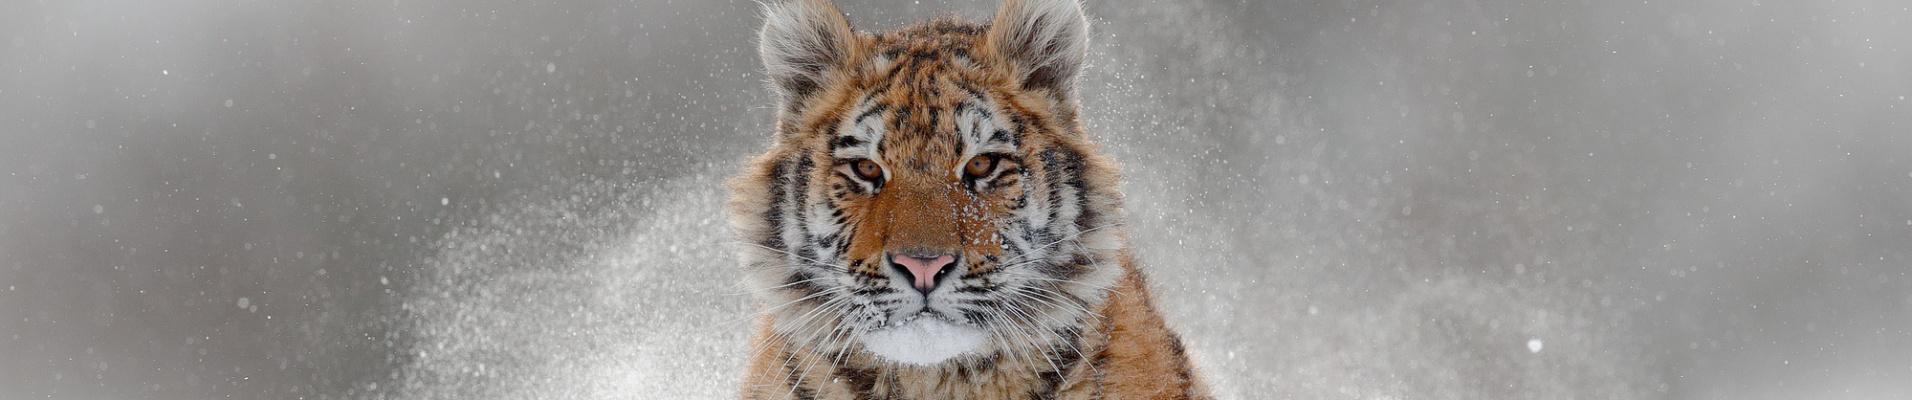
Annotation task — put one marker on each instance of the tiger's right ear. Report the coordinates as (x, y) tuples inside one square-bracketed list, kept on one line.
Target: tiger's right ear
[(801, 42)]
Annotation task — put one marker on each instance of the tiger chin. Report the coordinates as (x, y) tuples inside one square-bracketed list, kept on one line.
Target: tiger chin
[(931, 221)]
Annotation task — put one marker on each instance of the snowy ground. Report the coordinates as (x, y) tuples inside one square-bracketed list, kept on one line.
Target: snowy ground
[(1365, 200)]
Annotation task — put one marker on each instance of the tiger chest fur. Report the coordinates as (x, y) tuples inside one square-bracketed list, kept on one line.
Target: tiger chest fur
[(931, 221)]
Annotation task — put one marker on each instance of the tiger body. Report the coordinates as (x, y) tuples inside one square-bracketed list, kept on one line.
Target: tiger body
[(931, 221)]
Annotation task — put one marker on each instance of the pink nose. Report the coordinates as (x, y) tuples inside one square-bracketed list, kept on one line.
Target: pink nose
[(923, 270)]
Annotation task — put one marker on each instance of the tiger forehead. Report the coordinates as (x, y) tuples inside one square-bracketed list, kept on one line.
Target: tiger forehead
[(931, 63), (923, 81), (922, 134), (943, 34)]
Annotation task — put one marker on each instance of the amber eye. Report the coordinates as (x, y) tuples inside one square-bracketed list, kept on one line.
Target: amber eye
[(980, 166), (868, 170)]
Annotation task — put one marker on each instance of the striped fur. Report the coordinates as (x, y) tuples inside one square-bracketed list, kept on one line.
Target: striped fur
[(1043, 276)]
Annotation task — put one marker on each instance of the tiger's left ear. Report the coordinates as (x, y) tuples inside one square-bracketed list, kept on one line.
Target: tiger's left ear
[(802, 43), (1046, 41)]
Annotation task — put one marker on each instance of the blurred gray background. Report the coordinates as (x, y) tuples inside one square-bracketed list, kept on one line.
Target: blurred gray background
[(1447, 199)]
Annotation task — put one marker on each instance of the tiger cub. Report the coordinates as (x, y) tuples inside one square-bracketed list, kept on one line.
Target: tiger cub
[(931, 221)]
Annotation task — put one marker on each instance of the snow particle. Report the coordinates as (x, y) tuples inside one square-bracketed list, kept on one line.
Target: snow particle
[(444, 201), (1533, 345), (243, 302), (228, 103), (99, 209)]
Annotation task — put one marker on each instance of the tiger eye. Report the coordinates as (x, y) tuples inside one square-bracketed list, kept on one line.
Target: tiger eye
[(868, 169), (980, 166)]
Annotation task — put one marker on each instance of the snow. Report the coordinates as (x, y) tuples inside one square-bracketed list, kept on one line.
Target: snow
[(1366, 200)]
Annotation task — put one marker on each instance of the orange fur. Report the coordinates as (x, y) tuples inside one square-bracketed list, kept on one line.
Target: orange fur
[(1084, 328)]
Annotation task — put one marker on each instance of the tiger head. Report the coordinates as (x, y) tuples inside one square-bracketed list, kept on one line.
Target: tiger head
[(930, 194)]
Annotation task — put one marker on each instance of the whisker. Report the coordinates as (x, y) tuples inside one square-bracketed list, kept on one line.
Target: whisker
[(1076, 237), (1030, 335), (813, 261), (746, 290)]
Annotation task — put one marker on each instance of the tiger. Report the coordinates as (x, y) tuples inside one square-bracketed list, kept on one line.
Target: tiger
[(931, 221)]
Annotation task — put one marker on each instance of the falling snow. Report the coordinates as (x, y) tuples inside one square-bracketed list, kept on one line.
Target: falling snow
[(1445, 199)]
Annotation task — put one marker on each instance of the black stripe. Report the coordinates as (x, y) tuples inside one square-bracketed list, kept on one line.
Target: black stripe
[(1182, 370), (1040, 238), (1013, 137), (829, 128), (1064, 358), (1022, 121), (1010, 246), (822, 242), (845, 141), (1006, 178), (1066, 167), (862, 381), (800, 87), (873, 111), (1054, 185), (774, 215), (925, 55), (932, 91), (849, 185), (953, 28), (935, 115), (892, 380), (801, 281), (975, 317), (967, 372), (799, 178), (843, 240), (973, 92), (1077, 263), (796, 387), (900, 118), (1002, 135)]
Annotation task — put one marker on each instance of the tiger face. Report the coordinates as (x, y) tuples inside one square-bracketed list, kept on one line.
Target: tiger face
[(929, 195)]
